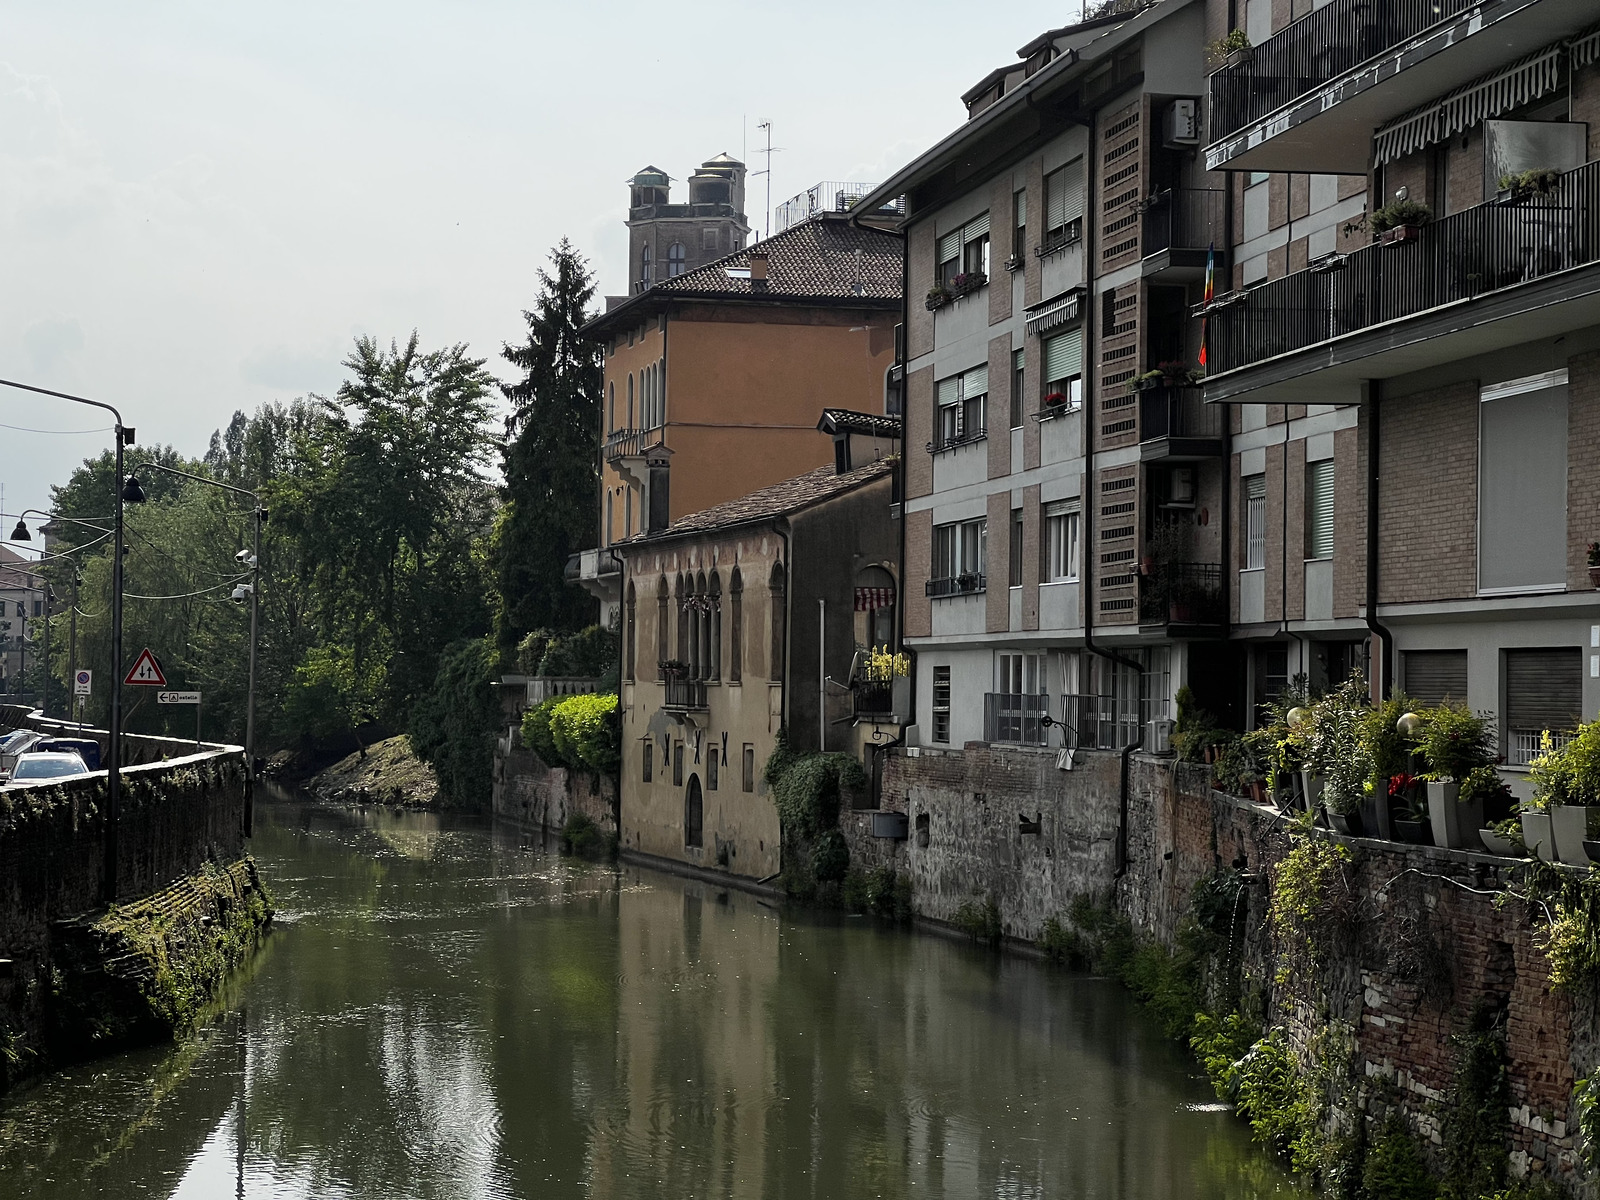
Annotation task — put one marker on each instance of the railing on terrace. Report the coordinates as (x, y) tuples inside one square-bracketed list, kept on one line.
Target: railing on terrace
[(958, 585), (688, 695), (1183, 219), (827, 196), (1476, 251), (628, 443), (1182, 593), (1016, 718), (542, 687), (1315, 50), (1099, 722), (1177, 413)]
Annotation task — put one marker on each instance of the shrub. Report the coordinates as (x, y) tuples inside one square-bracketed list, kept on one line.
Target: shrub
[(587, 654), (585, 732), (807, 791), (452, 725), (1395, 1170), (783, 757), (881, 891), (530, 651), (830, 857), (582, 837), (536, 735), (979, 920), (1456, 741), (1309, 891), (1400, 212)]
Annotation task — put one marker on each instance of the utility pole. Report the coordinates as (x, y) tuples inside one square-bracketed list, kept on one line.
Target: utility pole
[(768, 151)]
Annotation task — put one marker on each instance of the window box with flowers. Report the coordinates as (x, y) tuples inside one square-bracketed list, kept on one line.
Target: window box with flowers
[(1169, 375), (954, 288), (1400, 222)]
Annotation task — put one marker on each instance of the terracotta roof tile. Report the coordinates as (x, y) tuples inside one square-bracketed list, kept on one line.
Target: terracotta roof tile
[(780, 499)]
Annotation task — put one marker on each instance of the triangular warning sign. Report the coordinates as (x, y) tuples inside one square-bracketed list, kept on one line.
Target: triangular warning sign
[(147, 671)]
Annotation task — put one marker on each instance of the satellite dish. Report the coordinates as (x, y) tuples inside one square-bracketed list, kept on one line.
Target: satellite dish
[(855, 669)]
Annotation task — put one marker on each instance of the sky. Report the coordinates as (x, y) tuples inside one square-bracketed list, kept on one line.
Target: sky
[(202, 204)]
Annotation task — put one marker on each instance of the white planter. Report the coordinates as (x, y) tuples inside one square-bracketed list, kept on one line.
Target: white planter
[(1569, 825), (1454, 824), (1312, 783), (1536, 833), (1495, 844)]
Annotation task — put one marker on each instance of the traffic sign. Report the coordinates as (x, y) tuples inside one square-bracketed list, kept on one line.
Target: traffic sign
[(83, 683), (177, 697), (146, 671)]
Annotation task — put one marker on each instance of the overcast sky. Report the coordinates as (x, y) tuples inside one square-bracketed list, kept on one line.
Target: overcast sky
[(202, 203)]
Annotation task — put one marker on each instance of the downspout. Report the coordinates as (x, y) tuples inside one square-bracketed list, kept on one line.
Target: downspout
[(784, 532), (1385, 664)]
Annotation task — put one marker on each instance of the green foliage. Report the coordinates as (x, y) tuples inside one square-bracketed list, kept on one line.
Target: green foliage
[(1456, 741), (880, 890), (1394, 1167), (807, 792), (453, 726), (1334, 746), (530, 651), (1220, 1043), (1570, 775), (1536, 179), (1475, 1128), (548, 461), (830, 857), (587, 654), (536, 734), (580, 836), (586, 732), (979, 919), (1586, 1094), (1276, 1097), (1310, 893), (783, 757), (1386, 748), (1400, 212)]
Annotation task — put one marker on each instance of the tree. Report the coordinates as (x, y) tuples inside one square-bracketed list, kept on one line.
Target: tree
[(550, 459)]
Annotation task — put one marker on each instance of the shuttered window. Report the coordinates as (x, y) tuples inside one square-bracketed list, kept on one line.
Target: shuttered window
[(1255, 523), (1063, 356), (1063, 197), (1544, 691), (1434, 676), (975, 382), (950, 247), (1522, 503), (976, 228), (1319, 509)]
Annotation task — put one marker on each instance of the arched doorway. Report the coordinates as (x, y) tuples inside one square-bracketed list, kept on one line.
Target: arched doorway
[(693, 814)]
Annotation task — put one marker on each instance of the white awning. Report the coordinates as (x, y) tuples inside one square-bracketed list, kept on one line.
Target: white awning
[(1488, 96), (1053, 313)]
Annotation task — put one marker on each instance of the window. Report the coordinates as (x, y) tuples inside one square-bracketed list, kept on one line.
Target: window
[(1434, 676), (736, 627), (776, 587), (749, 780), (711, 768), (644, 274), (1544, 691), (693, 814), (1019, 224), (1015, 563), (1319, 509), (1020, 674), (714, 629), (647, 760), (965, 252), (958, 548), (962, 400), (675, 260), (1061, 541), (1255, 523), (662, 622), (1063, 369), (1063, 205), (38, 608), (1013, 712), (1017, 376), (611, 406), (1522, 502), (630, 399), (709, 238), (677, 765), (627, 514), (941, 704)]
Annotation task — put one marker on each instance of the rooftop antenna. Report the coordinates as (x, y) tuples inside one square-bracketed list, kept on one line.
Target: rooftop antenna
[(769, 152)]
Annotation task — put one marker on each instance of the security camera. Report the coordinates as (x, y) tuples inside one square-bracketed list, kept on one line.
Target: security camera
[(245, 557), (243, 592)]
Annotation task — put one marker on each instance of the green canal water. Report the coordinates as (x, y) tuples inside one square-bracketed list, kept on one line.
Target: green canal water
[(445, 1010)]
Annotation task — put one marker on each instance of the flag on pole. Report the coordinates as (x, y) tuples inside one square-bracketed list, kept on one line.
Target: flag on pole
[(1205, 319)]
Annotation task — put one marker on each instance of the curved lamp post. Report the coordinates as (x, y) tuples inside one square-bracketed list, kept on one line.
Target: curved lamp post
[(128, 492)]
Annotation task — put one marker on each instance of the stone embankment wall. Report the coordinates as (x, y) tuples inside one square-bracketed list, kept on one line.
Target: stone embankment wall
[(528, 791), (1420, 946), (180, 819)]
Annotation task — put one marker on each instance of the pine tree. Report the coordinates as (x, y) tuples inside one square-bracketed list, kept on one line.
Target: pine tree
[(551, 460)]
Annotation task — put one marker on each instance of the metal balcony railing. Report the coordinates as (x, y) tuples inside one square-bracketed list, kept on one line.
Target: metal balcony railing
[(1476, 251), (874, 698), (958, 585), (1177, 412), (629, 443), (1099, 722), (827, 196), (685, 695), (1315, 50), (1182, 593), (1015, 718), (1184, 219)]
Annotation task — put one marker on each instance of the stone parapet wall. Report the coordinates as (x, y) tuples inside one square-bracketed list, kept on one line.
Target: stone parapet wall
[(527, 790)]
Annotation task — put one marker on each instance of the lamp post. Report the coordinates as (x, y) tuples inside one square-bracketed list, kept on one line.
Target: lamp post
[(128, 491), (252, 591)]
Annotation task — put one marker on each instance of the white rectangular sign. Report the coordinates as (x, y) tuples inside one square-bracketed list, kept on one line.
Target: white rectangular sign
[(177, 697), (82, 683)]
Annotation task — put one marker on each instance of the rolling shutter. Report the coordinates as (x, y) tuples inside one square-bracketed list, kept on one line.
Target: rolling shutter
[(1434, 676), (949, 390), (1063, 356), (975, 382), (950, 246), (1055, 199), (976, 228), (1319, 509), (1544, 689), (1073, 197)]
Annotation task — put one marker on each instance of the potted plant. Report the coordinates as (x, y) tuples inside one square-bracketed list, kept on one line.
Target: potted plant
[(1410, 808), (1533, 818), (1054, 400), (673, 668), (1567, 781), (1400, 221), (1338, 763), (1519, 185), (938, 297), (1485, 792), (1594, 564), (967, 281), (1231, 51), (1389, 742), (1504, 837), (1456, 743)]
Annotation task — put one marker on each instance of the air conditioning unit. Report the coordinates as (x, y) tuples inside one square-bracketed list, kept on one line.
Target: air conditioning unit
[(1180, 123)]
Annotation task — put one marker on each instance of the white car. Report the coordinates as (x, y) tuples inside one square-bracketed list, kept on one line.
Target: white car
[(46, 768), (14, 744)]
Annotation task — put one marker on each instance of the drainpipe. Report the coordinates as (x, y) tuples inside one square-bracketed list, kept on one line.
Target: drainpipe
[(822, 675), (788, 599), (1385, 663)]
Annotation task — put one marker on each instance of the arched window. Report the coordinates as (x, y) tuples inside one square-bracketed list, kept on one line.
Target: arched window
[(630, 399), (776, 587), (630, 630), (875, 607), (644, 266), (693, 813), (605, 539), (701, 661), (714, 617), (735, 626), (675, 259), (682, 597), (611, 406), (663, 628)]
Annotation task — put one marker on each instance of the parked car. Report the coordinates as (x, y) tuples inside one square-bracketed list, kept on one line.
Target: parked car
[(46, 768), (13, 744), (85, 748)]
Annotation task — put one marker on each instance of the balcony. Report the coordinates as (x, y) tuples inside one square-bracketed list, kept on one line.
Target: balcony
[(684, 695), (957, 585), (631, 443), (1099, 722), (598, 572), (883, 701), (1177, 425), (1183, 596), (1015, 718), (1309, 98), (829, 196), (1488, 277), (1181, 226)]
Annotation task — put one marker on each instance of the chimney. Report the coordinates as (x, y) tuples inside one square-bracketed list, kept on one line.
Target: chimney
[(758, 270)]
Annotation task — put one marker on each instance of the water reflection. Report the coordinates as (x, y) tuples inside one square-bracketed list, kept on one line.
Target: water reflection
[(446, 1013)]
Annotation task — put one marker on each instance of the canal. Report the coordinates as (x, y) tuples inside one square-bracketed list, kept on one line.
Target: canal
[(444, 1010)]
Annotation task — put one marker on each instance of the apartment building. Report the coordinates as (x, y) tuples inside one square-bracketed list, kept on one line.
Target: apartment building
[(22, 613), (1065, 487), (1413, 394), (716, 379)]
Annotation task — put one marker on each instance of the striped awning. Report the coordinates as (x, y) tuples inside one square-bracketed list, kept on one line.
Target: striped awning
[(869, 598), (1487, 96), (1585, 48), (1053, 313)]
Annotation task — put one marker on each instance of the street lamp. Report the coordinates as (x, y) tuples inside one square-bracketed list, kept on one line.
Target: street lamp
[(251, 591), (126, 491)]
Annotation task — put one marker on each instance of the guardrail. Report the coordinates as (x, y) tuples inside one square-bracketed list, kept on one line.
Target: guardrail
[(1177, 413), (1182, 593), (629, 443), (1184, 219), (959, 585), (686, 695), (1016, 718)]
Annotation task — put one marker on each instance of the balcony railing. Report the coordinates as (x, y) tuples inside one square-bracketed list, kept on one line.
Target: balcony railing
[(957, 585), (827, 196), (1099, 722), (1476, 251), (1015, 718), (1182, 593), (1315, 50), (1178, 413), (1183, 219), (685, 695), (629, 443)]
